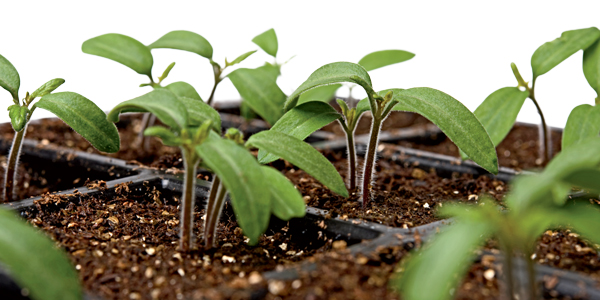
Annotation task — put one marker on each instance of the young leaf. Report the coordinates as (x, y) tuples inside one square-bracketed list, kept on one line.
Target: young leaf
[(273, 70), (18, 116), (300, 122), (329, 74), (161, 103), (186, 41), (122, 49), (267, 41), (444, 261), (286, 201), (454, 119), (85, 117), (591, 65), (47, 88), (167, 136), (9, 77), (241, 174), (183, 89), (302, 155), (498, 112), (198, 112), (34, 262), (583, 123), (384, 58), (166, 72), (241, 58), (261, 92), (323, 93), (550, 54)]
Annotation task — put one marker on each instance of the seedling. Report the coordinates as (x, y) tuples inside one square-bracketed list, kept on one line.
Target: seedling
[(499, 110), (81, 114), (449, 114), (536, 203), (256, 191)]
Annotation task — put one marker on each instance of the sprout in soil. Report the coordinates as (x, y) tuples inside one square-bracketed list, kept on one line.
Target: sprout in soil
[(536, 203), (453, 118), (81, 114), (256, 191), (499, 110)]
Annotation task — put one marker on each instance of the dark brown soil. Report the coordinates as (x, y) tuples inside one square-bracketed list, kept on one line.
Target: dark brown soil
[(125, 247)]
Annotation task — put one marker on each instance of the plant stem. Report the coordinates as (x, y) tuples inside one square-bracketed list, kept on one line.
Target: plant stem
[(218, 71), (11, 165), (141, 137), (213, 212), (545, 146), (508, 272), (190, 162), (351, 154), (531, 277), (370, 158)]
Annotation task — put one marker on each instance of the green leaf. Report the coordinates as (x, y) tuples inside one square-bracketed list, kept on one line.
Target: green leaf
[(323, 93), (166, 72), (454, 119), (261, 92), (300, 122), (18, 116), (241, 174), (583, 123), (122, 49), (186, 41), (241, 58), (85, 117), (329, 74), (47, 88), (198, 112), (586, 178), (273, 70), (582, 218), (183, 89), (591, 66), (286, 201), (583, 154), (384, 58), (167, 136), (34, 262), (302, 155), (499, 111), (9, 77), (267, 41), (161, 103), (444, 261), (550, 54)]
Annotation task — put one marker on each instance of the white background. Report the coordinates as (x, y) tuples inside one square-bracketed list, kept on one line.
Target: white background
[(463, 48)]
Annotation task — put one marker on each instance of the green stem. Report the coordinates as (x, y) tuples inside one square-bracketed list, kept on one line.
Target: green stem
[(11, 165), (351, 154), (218, 71), (508, 272), (531, 277), (190, 162), (370, 159), (213, 212), (545, 146)]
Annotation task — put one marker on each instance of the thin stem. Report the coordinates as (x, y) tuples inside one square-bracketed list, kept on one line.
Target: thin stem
[(508, 272), (190, 162), (531, 277), (11, 165), (545, 147), (218, 71), (213, 213), (141, 137), (370, 159), (351, 154), (146, 140)]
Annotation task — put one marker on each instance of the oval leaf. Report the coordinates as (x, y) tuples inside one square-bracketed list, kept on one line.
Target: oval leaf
[(122, 49), (260, 91), (329, 74), (498, 112), (300, 122), (9, 77), (198, 112), (591, 66), (241, 174), (454, 119), (18, 116), (267, 41), (286, 201), (183, 89), (186, 41), (384, 58), (85, 117), (550, 54), (34, 262), (323, 93), (161, 103), (302, 155), (583, 123), (241, 58), (47, 88)]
